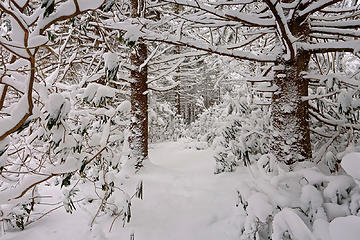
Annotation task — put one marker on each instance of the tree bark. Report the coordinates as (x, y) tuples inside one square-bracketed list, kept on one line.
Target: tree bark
[(290, 116), (291, 135), (178, 102), (138, 139)]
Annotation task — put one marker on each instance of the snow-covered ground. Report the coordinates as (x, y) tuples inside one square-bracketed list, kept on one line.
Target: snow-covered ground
[(183, 200)]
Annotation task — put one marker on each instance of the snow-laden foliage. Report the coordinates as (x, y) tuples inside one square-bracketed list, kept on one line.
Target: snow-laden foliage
[(75, 143), (203, 129), (73, 134), (164, 124), (277, 204), (243, 138), (59, 87), (237, 130), (334, 108)]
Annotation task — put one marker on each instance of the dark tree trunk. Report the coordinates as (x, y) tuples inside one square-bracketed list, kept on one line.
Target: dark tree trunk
[(290, 116), (291, 136), (178, 102), (192, 119), (177, 78), (139, 107), (188, 113), (138, 139)]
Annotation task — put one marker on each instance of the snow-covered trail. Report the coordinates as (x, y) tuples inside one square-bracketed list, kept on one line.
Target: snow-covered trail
[(183, 200), (187, 200)]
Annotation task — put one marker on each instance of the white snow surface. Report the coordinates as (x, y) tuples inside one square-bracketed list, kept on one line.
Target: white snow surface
[(111, 60), (345, 228), (259, 205), (183, 199), (351, 164), (124, 107), (287, 220)]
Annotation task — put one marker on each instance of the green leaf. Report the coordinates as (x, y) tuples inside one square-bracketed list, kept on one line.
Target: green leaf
[(130, 44), (49, 7), (139, 190), (108, 5), (20, 222), (128, 212), (66, 181), (82, 168)]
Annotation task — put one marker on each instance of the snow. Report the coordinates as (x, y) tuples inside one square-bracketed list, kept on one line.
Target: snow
[(102, 92), (229, 14), (4, 144), (95, 92), (105, 135), (351, 164), (124, 107), (14, 193), (260, 206), (334, 210), (85, 4), (287, 220), (52, 77), (310, 195), (350, 44), (321, 229), (183, 199), (65, 10), (111, 60), (37, 41), (338, 187), (17, 113), (57, 106), (345, 228), (71, 164), (147, 35)]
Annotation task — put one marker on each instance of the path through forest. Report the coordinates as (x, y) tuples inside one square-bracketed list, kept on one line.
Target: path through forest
[(183, 200)]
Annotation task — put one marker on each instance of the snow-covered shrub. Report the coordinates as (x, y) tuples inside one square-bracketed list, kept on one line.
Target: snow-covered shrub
[(206, 125), (278, 204), (164, 124), (334, 107), (229, 148), (235, 129), (74, 139), (97, 93), (71, 144), (244, 136)]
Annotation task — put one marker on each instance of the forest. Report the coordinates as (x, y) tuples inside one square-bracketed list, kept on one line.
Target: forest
[(180, 119)]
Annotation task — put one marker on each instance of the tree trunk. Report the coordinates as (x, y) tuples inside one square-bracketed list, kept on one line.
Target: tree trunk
[(138, 139), (177, 78), (178, 102), (290, 118)]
